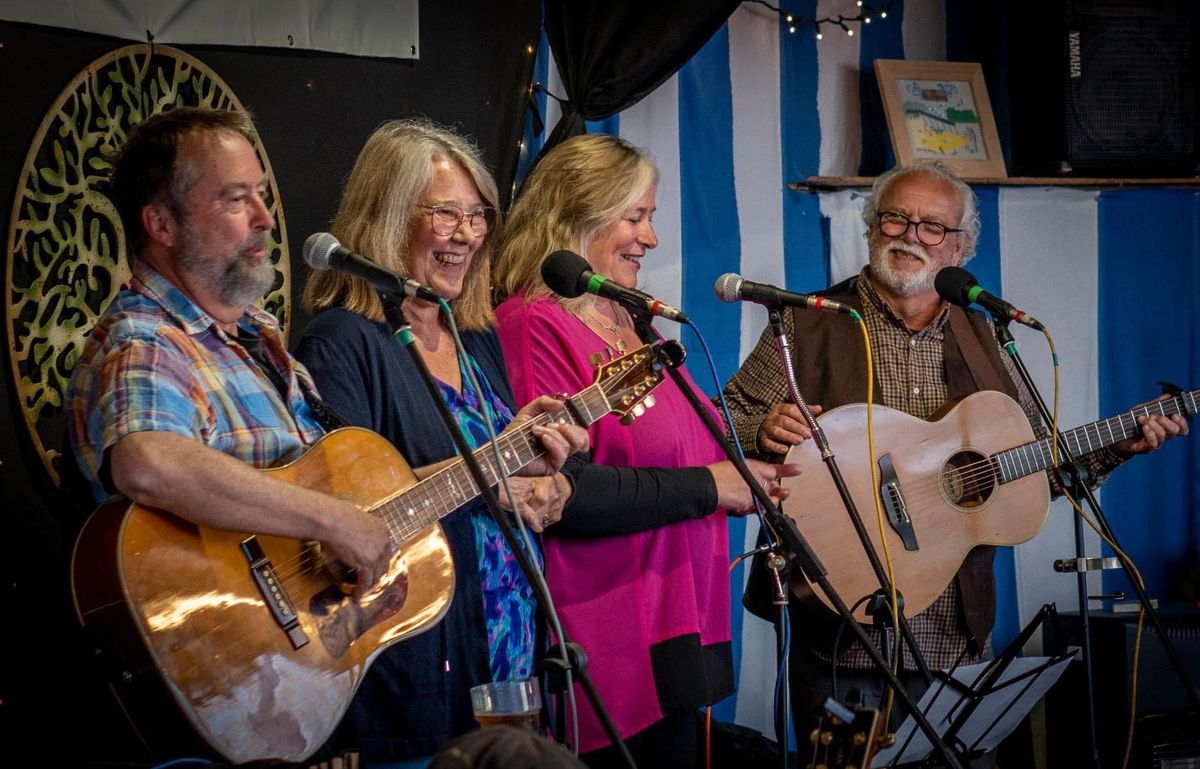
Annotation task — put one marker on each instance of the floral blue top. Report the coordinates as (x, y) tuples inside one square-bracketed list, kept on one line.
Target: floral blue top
[(508, 603)]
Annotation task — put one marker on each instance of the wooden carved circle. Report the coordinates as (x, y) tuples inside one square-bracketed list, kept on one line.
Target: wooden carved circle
[(66, 247)]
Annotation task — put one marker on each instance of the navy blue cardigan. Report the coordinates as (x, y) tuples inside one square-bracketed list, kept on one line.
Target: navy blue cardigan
[(410, 703)]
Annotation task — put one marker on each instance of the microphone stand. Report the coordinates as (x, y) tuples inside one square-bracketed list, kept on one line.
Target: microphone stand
[(1071, 475), (796, 548), (403, 333), (881, 606)]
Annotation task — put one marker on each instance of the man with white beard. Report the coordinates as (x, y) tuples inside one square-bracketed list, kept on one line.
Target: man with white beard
[(919, 219)]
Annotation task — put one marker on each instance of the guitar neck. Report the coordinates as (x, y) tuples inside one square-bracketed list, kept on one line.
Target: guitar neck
[(1036, 456), (450, 488)]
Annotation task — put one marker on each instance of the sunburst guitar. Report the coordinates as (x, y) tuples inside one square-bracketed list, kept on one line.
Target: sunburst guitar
[(255, 644), (973, 474)]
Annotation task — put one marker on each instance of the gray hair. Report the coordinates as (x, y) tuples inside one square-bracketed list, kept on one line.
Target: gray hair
[(969, 223)]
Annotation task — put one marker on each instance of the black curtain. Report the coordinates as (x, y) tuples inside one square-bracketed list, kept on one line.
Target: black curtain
[(611, 53)]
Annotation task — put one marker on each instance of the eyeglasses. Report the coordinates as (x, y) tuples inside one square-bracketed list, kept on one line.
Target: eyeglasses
[(446, 219), (894, 225)]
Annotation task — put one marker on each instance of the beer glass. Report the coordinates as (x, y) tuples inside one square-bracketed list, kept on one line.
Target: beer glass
[(517, 703)]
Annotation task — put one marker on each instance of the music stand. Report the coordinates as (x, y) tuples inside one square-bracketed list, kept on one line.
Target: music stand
[(975, 717)]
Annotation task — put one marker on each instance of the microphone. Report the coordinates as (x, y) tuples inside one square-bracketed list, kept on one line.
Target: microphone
[(734, 288), (957, 286), (568, 274), (322, 251)]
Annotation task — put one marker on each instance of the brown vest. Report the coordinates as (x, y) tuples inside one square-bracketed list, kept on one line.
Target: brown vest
[(832, 371)]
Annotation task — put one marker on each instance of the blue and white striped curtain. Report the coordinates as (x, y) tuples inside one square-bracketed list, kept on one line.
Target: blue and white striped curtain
[(1113, 274)]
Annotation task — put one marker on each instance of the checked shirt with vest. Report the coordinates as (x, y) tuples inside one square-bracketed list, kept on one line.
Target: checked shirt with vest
[(916, 372)]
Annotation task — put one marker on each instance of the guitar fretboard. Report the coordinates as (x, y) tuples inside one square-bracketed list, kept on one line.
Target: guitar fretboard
[(622, 384), (1036, 456)]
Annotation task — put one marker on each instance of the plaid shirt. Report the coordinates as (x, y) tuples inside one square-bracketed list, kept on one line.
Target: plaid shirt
[(909, 378), (156, 362)]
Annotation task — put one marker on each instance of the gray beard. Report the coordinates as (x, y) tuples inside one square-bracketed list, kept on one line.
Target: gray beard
[(236, 281)]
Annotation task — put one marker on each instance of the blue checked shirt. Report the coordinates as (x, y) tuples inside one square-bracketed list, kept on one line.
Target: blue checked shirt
[(155, 361)]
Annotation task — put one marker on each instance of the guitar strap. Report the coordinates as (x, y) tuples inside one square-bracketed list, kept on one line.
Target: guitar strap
[(322, 412), (972, 363), (968, 365)]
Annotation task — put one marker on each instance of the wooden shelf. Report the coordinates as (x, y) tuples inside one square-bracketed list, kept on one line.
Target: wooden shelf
[(819, 183)]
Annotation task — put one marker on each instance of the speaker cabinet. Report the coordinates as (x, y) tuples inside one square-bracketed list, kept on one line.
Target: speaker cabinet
[(1106, 88), (1167, 735), (1130, 86)]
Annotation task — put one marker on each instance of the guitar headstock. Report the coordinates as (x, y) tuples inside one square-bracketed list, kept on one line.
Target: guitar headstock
[(845, 739), (626, 382)]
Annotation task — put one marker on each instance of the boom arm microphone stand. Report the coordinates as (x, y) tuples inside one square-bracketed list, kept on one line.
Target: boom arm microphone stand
[(1074, 478), (796, 549), (783, 348), (401, 330)]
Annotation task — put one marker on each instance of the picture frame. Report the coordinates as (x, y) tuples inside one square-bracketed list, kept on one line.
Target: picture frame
[(940, 110)]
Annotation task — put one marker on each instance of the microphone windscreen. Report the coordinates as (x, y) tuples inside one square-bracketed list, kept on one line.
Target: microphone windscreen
[(953, 284), (563, 273), (318, 250), (728, 287)]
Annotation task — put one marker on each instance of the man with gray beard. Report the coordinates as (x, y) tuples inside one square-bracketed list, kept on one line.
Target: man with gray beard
[(184, 386), (919, 219)]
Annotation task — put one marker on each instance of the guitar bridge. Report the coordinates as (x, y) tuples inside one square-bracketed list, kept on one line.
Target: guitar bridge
[(894, 504), (277, 600)]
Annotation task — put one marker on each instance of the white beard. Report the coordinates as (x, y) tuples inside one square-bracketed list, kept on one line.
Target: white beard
[(901, 282)]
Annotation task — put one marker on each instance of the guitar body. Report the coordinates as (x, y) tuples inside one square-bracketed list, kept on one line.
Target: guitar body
[(254, 643), (182, 611), (941, 472)]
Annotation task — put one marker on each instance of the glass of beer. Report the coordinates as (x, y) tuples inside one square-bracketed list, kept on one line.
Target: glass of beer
[(517, 703)]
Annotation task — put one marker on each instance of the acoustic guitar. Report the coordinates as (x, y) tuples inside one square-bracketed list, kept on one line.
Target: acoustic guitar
[(257, 641), (971, 475)]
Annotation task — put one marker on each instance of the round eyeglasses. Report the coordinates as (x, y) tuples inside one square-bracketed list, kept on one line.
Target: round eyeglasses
[(894, 225), (446, 219)]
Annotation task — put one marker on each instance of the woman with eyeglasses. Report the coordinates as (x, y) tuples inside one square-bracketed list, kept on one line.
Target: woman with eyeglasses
[(420, 202)]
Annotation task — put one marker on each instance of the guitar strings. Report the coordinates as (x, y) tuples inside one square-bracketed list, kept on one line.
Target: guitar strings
[(596, 398), (979, 477), (395, 511), (592, 403)]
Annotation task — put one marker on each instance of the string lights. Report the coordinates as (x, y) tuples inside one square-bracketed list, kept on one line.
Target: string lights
[(866, 14)]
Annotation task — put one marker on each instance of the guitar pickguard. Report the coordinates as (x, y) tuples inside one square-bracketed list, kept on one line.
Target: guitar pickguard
[(341, 620)]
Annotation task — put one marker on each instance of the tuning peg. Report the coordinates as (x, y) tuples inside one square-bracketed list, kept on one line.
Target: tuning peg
[(627, 420), (638, 410), (595, 359), (649, 401)]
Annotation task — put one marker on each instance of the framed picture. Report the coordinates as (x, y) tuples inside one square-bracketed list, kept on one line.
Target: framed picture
[(940, 110)]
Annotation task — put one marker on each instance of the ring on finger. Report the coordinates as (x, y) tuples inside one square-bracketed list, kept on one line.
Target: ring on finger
[(545, 521)]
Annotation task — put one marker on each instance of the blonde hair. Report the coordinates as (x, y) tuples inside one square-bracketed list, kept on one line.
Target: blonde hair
[(377, 213), (578, 188)]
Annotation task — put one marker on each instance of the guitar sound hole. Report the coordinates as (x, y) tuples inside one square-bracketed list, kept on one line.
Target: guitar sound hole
[(968, 480)]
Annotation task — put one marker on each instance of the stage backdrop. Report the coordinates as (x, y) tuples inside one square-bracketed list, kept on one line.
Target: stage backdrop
[(1113, 274)]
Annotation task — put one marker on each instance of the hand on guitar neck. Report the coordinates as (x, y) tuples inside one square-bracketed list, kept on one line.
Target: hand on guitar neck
[(1156, 429), (558, 435)]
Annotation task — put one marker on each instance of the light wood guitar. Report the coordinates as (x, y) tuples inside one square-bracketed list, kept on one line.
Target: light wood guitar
[(257, 640), (971, 475)]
